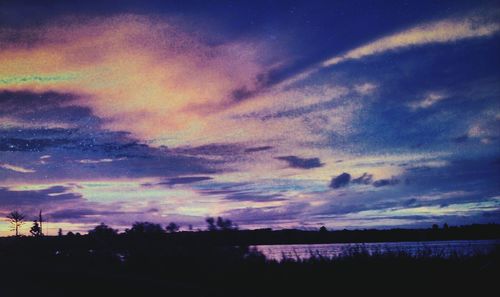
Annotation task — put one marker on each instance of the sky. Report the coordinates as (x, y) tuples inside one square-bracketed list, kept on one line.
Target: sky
[(274, 114)]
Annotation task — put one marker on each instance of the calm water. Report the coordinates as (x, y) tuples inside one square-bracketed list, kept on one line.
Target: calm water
[(442, 248)]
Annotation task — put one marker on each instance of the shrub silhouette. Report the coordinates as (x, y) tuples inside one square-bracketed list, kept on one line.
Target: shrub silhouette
[(172, 227), (35, 230)]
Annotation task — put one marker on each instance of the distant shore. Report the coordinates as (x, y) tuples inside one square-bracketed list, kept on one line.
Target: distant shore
[(294, 236)]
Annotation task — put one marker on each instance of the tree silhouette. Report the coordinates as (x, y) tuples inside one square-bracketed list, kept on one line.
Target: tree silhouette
[(220, 224), (102, 231), (211, 224), (226, 224), (172, 227), (35, 230), (145, 228), (17, 220)]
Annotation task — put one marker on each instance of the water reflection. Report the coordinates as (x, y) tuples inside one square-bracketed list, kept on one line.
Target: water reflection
[(427, 248)]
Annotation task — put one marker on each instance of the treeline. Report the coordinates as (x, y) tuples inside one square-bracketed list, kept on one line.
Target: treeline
[(224, 232)]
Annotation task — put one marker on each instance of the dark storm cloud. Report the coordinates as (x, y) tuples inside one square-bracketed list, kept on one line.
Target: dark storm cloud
[(340, 181), (302, 163)]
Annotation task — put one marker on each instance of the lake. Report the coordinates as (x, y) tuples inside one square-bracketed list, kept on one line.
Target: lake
[(436, 248)]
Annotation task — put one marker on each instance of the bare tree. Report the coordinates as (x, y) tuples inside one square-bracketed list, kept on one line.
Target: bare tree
[(17, 220)]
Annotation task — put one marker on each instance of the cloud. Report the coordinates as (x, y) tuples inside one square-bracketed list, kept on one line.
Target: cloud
[(429, 100), (268, 216), (345, 179), (185, 180), (91, 153), (81, 213), (105, 160), (23, 109), (29, 198), (258, 149), (254, 197), (261, 192), (302, 163), (16, 168), (385, 182), (77, 66), (364, 179), (213, 149), (365, 88), (340, 181), (485, 128), (30, 145), (155, 89), (448, 30)]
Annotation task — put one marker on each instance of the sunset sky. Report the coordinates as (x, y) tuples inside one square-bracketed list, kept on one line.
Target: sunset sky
[(281, 114)]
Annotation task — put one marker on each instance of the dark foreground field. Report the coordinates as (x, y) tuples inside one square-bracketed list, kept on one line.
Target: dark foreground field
[(152, 266)]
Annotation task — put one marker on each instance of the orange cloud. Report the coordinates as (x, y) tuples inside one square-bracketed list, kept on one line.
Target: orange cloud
[(147, 77)]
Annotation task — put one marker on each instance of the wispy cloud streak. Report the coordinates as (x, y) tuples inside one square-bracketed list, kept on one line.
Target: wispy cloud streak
[(449, 30)]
